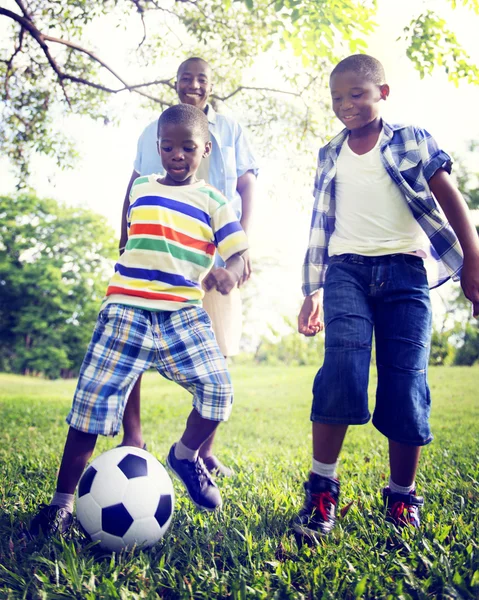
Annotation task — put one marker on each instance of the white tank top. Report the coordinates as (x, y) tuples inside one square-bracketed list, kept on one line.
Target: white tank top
[(372, 215)]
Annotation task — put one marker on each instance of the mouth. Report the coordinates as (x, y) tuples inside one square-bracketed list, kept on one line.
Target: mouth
[(349, 117), (177, 170), (193, 95)]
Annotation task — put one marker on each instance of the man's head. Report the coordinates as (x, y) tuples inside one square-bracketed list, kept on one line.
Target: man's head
[(357, 85), (194, 82), (183, 140)]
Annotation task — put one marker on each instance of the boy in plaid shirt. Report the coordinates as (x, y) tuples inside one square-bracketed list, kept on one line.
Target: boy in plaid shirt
[(376, 217), (152, 316)]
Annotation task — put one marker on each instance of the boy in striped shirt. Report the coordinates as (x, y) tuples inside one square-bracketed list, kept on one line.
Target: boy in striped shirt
[(152, 316)]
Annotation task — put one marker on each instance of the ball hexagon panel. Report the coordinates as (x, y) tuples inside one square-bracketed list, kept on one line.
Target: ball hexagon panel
[(109, 485), (141, 497), (111, 542), (115, 520), (143, 532), (89, 514), (133, 466)]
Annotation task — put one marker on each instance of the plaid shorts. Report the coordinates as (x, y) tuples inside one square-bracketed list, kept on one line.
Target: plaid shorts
[(126, 342)]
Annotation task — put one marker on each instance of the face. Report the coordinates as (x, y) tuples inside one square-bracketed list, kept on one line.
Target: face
[(356, 100), (194, 84), (181, 149)]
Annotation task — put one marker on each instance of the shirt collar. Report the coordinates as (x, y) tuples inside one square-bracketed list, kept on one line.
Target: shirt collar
[(211, 114)]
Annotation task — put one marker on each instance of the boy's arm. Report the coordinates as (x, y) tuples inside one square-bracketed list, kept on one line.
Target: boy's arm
[(225, 278), (458, 215), (124, 213), (246, 188)]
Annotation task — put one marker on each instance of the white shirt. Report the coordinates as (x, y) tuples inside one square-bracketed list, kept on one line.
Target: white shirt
[(372, 215)]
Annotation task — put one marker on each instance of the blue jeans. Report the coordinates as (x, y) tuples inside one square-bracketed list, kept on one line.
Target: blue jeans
[(390, 296)]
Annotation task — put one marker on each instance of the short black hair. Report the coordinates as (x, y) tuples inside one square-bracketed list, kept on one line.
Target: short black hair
[(362, 64), (192, 59), (188, 115)]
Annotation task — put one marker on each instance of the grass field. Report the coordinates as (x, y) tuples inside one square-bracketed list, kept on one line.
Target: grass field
[(247, 550)]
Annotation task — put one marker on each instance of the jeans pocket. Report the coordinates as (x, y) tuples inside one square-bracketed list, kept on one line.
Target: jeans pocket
[(415, 262)]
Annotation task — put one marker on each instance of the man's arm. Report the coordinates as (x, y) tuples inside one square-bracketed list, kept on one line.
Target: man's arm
[(246, 188), (458, 215), (124, 213)]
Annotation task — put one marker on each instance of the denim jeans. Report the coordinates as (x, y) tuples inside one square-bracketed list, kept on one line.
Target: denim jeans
[(387, 295)]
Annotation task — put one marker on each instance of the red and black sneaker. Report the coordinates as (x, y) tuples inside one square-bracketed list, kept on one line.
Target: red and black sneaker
[(402, 509), (318, 515)]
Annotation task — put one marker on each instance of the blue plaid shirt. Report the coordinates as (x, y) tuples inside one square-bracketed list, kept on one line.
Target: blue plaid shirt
[(411, 157)]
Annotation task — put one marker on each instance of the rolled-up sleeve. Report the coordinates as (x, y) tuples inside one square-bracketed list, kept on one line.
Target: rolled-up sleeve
[(245, 159), (433, 158)]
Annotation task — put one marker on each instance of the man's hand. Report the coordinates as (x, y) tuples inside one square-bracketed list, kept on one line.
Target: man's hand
[(247, 270), (470, 282), (220, 279), (310, 315)]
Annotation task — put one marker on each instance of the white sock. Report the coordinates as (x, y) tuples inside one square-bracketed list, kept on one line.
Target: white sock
[(63, 501), (182, 452), (324, 470), (401, 489)]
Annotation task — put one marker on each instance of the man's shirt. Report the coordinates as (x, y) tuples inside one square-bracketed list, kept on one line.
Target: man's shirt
[(173, 232), (411, 157), (230, 158)]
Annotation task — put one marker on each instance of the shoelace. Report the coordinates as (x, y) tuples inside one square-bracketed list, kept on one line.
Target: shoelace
[(398, 509), (198, 468), (322, 502)]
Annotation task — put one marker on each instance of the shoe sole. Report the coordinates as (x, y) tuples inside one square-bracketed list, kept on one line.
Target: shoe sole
[(309, 533), (199, 506)]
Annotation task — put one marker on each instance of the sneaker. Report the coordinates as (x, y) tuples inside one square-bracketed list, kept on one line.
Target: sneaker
[(318, 515), (216, 467), (402, 509), (202, 490), (50, 519)]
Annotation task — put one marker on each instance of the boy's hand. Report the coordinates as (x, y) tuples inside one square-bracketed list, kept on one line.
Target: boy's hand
[(309, 319), (470, 282), (220, 279)]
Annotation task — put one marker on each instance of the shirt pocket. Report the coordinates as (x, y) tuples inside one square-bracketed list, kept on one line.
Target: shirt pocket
[(229, 158)]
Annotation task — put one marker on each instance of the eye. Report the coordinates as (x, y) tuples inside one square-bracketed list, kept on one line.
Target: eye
[(336, 99), (166, 148), (357, 95), (189, 149)]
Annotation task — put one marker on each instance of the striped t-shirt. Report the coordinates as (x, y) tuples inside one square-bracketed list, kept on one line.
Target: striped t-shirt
[(173, 232)]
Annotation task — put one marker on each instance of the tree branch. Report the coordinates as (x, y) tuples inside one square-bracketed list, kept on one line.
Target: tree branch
[(256, 89)]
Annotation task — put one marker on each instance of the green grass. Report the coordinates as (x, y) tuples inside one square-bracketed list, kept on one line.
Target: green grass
[(247, 550)]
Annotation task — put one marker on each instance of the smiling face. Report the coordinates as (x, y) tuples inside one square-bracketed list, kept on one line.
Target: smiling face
[(356, 99), (181, 148), (194, 84)]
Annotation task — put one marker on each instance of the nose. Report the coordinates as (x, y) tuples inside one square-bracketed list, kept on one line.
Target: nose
[(178, 154)]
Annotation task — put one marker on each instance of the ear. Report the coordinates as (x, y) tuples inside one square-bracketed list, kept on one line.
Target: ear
[(384, 91), (208, 148)]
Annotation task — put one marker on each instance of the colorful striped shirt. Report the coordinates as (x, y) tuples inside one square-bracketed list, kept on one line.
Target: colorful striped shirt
[(173, 232), (410, 156)]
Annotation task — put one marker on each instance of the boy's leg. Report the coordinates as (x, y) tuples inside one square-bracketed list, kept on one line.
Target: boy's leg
[(57, 516), (340, 389), (120, 349), (403, 329), (189, 355), (132, 434)]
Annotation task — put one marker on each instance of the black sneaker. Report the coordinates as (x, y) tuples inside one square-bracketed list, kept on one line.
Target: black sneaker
[(216, 467), (202, 490), (50, 519), (402, 509), (318, 515)]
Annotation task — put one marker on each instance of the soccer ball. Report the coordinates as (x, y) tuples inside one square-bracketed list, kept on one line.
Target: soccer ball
[(125, 497)]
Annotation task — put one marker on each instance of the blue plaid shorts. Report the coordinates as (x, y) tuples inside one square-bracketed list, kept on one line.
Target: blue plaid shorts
[(126, 342)]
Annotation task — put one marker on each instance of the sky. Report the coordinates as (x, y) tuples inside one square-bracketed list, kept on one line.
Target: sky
[(281, 221)]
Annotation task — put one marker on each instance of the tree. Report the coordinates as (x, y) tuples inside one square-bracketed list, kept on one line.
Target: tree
[(49, 65), (53, 265)]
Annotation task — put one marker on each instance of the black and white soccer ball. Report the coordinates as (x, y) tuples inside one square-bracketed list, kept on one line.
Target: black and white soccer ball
[(125, 497)]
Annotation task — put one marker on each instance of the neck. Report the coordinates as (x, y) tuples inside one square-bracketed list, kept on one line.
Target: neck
[(370, 129)]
